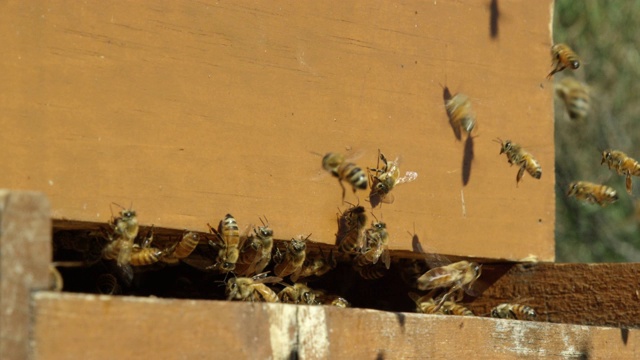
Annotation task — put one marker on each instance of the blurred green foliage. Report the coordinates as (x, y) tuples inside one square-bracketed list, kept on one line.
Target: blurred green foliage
[(605, 36)]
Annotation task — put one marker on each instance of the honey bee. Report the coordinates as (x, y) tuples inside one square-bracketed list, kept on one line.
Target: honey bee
[(336, 164), (384, 179), (227, 242), (292, 260), (183, 248), (563, 57), (622, 164), (461, 116), (456, 276), (350, 230), (370, 271), (144, 254), (125, 228), (332, 300), (376, 246), (318, 264), (592, 193), (252, 289), (298, 294), (513, 311), (427, 305), (256, 254), (576, 97), (518, 156)]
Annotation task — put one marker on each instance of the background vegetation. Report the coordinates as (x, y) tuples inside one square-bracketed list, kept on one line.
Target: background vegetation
[(605, 36)]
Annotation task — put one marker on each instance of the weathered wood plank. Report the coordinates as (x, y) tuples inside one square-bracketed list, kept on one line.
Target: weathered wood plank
[(126, 327), (25, 255), (587, 294)]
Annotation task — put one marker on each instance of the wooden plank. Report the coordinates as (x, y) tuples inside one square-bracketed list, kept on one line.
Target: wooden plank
[(125, 327), (190, 110), (25, 255), (587, 294)]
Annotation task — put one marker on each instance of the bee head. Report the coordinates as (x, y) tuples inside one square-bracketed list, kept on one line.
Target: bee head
[(495, 313)]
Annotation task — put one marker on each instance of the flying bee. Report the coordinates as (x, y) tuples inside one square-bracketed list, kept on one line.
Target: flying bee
[(298, 294), (460, 114), (293, 259), (256, 252), (227, 242), (563, 57), (252, 289), (520, 157), (622, 164), (576, 97), (183, 248), (592, 193), (427, 305), (376, 246), (318, 264), (456, 276), (384, 179), (350, 230), (513, 311), (336, 164)]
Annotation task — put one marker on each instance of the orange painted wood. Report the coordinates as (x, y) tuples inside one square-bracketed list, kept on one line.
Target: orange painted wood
[(191, 110)]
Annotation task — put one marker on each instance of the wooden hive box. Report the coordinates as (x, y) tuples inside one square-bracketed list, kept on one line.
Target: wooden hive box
[(191, 110)]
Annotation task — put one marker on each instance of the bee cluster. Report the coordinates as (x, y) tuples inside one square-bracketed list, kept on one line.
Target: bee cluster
[(251, 266)]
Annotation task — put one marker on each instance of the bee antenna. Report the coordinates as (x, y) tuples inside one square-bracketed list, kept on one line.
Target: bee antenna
[(498, 140), (316, 153)]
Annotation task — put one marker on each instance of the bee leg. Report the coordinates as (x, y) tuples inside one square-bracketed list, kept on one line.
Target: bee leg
[(343, 190), (628, 183)]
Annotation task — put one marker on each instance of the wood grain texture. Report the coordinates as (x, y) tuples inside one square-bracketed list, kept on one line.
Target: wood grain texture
[(123, 327), (191, 110), (586, 294), (25, 255)]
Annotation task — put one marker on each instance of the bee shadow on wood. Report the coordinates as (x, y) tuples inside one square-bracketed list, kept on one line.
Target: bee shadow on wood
[(494, 15), (446, 97), (467, 159)]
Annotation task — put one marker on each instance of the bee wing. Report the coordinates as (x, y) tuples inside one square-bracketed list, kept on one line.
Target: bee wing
[(296, 274), (267, 279), (409, 176), (386, 258)]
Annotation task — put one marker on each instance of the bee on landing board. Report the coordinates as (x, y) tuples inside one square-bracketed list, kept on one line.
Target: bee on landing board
[(344, 170), (384, 179), (516, 155), (592, 193), (376, 246), (513, 311), (227, 242), (460, 114), (576, 97), (456, 276), (563, 57), (426, 304), (290, 263), (252, 289), (350, 234), (256, 252), (298, 294), (622, 164)]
